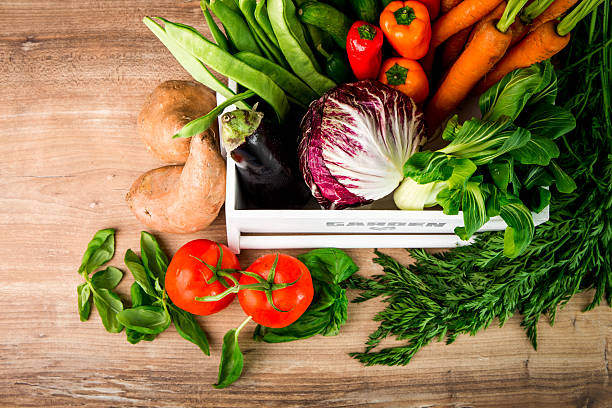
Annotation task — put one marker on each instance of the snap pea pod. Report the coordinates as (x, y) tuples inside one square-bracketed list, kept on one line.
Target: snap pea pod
[(261, 15), (199, 125), (225, 64), (305, 67), (194, 66), (214, 29), (292, 85), (248, 10), (236, 28)]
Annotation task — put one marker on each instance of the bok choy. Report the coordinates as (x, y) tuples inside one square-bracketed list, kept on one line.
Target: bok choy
[(500, 165)]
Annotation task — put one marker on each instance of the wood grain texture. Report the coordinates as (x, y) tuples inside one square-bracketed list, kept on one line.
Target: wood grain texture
[(73, 76)]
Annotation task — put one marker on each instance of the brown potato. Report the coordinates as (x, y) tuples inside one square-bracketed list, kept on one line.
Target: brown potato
[(182, 199), (166, 110)]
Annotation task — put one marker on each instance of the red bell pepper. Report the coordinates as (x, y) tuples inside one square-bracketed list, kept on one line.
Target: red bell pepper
[(364, 48)]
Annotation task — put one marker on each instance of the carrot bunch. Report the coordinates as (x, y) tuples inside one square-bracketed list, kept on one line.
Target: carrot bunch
[(486, 39)]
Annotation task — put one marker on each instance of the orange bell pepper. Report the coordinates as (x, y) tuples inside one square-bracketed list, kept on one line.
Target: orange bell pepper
[(407, 76), (407, 26)]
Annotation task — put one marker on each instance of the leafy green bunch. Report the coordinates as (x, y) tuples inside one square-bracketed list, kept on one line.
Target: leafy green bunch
[(462, 291), (152, 311), (500, 165)]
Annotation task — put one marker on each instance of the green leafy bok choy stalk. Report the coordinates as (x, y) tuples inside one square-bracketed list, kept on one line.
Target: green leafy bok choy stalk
[(500, 165)]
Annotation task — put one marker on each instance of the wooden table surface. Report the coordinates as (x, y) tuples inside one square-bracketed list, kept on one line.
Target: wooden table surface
[(73, 76)]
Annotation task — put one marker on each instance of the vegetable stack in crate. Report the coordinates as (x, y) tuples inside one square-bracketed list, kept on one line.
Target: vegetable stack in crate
[(330, 94)]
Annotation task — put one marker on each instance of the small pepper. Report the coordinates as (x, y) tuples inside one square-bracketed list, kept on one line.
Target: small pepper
[(364, 49), (407, 76), (407, 26)]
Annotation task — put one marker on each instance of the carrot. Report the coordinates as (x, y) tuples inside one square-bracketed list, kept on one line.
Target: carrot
[(556, 9), (496, 14), (537, 46), (447, 5), (464, 15), (487, 47), (454, 46)]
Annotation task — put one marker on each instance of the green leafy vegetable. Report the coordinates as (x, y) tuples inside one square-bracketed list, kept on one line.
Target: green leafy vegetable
[(145, 319), (99, 251), (139, 298), (107, 279), (187, 326), (232, 360)]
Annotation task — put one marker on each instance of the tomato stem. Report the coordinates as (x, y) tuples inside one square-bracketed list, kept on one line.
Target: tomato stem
[(248, 319)]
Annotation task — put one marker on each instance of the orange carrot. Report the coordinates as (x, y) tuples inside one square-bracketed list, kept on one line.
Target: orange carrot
[(553, 11), (454, 46), (464, 15), (534, 16), (447, 5), (487, 47), (537, 46), (496, 14)]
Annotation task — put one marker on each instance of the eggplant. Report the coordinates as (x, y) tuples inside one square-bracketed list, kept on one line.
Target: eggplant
[(266, 162)]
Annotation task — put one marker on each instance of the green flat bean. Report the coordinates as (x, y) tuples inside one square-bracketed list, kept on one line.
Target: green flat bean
[(296, 28), (236, 27), (305, 67), (225, 64), (261, 15), (199, 125), (248, 10), (232, 4), (214, 29), (194, 66), (292, 85)]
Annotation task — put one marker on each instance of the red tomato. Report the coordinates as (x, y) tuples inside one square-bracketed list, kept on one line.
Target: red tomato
[(186, 277), (295, 299)]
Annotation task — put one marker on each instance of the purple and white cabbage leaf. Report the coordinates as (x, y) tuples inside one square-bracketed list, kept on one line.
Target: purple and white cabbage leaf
[(355, 141)]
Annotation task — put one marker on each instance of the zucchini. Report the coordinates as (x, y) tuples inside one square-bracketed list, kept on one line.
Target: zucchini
[(326, 18)]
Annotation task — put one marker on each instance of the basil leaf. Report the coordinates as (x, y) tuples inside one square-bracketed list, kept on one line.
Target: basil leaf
[(539, 150), (107, 279), (325, 315), (563, 181), (519, 232), (329, 265), (153, 258), (551, 121), (134, 264), (84, 296), (188, 327), (99, 251), (108, 305), (145, 319), (232, 360), (139, 298)]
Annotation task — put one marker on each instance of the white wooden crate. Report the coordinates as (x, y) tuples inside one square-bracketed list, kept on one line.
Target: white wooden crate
[(351, 228)]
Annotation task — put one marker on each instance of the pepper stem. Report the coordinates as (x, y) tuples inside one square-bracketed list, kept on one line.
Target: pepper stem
[(404, 15)]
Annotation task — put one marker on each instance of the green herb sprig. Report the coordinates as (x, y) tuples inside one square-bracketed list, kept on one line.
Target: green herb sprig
[(462, 291)]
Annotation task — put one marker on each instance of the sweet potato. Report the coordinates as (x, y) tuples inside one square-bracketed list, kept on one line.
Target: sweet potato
[(182, 199), (166, 110)]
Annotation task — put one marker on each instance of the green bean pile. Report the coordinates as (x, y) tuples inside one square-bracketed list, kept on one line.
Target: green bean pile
[(263, 47)]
